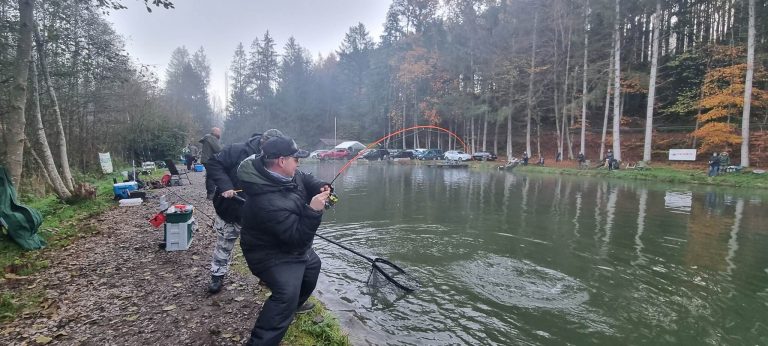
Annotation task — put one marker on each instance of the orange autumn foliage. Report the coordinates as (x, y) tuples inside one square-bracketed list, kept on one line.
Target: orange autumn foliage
[(717, 136), (722, 102)]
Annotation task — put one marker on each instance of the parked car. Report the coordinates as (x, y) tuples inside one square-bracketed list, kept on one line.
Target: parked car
[(335, 154), (431, 154), (316, 153), (456, 155), (417, 152), (403, 154), (483, 156), (376, 154)]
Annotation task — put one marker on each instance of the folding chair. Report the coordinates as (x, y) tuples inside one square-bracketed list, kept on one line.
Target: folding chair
[(175, 172)]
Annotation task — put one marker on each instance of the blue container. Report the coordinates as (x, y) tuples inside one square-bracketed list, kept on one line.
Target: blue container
[(123, 190), (199, 167)]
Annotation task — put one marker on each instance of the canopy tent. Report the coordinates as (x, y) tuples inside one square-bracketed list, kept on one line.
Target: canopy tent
[(351, 146)]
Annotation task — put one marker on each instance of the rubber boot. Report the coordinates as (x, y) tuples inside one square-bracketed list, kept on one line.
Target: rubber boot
[(217, 282)]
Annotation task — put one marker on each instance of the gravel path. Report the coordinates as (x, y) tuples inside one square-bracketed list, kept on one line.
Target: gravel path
[(119, 288)]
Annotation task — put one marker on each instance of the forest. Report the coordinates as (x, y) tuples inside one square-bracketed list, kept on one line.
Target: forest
[(507, 76)]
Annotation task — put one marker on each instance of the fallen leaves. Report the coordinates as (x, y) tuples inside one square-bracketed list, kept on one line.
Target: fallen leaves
[(120, 286), (42, 339)]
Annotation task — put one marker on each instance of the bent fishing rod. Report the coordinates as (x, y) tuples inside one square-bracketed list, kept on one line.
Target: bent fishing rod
[(370, 146)]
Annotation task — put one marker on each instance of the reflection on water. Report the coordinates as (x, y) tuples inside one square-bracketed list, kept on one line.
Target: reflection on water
[(523, 259), (678, 202)]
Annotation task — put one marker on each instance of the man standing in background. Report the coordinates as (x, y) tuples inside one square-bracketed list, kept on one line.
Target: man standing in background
[(211, 146), (191, 153)]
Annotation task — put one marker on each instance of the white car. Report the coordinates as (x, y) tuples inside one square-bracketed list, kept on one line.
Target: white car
[(313, 155), (455, 155)]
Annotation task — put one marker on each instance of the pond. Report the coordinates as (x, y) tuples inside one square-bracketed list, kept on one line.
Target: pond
[(509, 259)]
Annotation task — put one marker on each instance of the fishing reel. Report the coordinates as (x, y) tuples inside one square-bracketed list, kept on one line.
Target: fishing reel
[(331, 201)]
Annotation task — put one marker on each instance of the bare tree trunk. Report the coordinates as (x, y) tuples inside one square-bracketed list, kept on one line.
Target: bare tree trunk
[(404, 123), (572, 121), (748, 86), (509, 136), (14, 136), (617, 87), (530, 86), (565, 95), (509, 121), (652, 84), (37, 160), (558, 129), (416, 143), (472, 144), (538, 133), (62, 143), (607, 103), (584, 81), (495, 148), (48, 164), (485, 129)]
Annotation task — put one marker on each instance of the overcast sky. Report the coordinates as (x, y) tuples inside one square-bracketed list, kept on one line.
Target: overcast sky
[(218, 26)]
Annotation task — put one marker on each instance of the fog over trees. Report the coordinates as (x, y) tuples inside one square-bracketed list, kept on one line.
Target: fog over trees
[(507, 76)]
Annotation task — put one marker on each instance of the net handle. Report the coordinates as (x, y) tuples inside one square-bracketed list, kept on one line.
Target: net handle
[(371, 260)]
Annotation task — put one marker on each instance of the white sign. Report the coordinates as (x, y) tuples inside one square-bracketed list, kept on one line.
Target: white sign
[(682, 154), (106, 162)]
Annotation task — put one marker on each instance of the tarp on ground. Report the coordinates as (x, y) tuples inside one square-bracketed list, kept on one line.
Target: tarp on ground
[(20, 221)]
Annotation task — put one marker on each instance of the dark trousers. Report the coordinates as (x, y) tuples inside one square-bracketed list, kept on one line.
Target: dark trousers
[(189, 160), (210, 186), (291, 284), (713, 170)]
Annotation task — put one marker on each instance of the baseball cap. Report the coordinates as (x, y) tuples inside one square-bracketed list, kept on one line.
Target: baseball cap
[(281, 146)]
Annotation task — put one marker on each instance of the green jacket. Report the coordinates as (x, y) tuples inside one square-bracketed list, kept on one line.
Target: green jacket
[(725, 161), (211, 146)]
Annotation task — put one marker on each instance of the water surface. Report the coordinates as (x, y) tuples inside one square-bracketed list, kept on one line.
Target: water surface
[(514, 259)]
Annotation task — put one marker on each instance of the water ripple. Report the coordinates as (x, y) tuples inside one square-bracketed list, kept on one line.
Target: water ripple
[(520, 283)]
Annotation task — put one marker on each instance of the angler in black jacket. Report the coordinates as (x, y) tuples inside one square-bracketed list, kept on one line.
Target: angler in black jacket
[(281, 214), (222, 170)]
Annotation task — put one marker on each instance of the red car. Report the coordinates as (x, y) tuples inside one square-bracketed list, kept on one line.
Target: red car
[(335, 154)]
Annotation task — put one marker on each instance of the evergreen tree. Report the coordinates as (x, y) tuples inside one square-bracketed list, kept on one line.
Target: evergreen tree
[(186, 86)]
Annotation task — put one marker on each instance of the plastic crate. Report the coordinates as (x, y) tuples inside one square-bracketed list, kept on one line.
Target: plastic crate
[(179, 213), (178, 236)]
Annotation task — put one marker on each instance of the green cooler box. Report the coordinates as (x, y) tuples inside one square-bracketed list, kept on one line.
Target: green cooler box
[(180, 225)]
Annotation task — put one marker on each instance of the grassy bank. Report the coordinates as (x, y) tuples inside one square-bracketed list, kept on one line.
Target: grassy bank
[(662, 174), (62, 224)]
